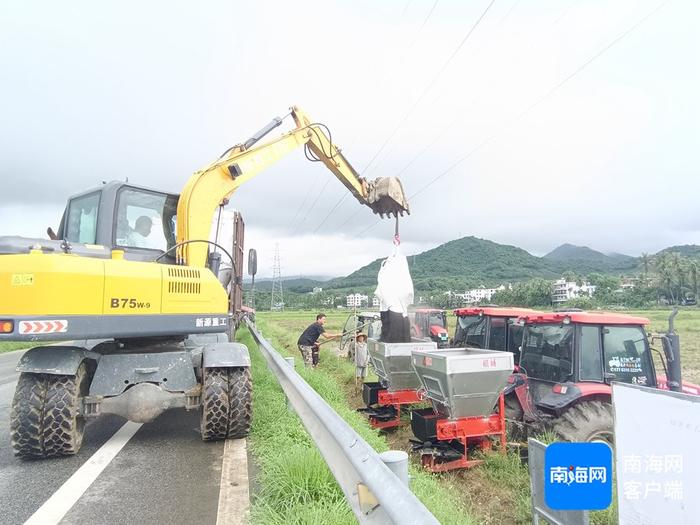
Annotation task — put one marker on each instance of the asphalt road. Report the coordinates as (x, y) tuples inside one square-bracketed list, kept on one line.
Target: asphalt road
[(163, 474)]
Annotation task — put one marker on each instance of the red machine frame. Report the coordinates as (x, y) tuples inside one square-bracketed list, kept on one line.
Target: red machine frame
[(469, 430), (397, 398)]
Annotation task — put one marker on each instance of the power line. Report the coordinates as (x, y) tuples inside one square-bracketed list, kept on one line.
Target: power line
[(532, 106), (566, 12), (418, 33), (543, 97), (418, 100), (425, 21), (303, 202), (512, 7), (429, 86), (313, 204), (331, 211)]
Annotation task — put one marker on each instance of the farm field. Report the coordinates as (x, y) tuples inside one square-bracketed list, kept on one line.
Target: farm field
[(495, 493), (498, 491)]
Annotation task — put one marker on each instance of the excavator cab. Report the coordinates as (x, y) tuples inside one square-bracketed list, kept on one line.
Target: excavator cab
[(137, 220)]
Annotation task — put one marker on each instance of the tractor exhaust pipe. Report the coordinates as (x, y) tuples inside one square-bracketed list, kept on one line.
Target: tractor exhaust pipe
[(672, 349)]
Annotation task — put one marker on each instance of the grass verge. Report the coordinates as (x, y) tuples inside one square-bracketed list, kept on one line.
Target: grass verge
[(9, 346), (497, 492), (296, 485)]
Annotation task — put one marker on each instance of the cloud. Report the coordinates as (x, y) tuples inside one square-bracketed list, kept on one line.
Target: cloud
[(154, 91)]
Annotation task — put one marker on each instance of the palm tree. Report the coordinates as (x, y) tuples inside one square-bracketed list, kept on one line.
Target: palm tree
[(645, 259), (693, 270), (665, 270), (679, 268)]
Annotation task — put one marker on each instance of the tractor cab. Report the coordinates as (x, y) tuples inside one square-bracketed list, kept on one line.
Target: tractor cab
[(567, 362), (581, 347), (492, 328), (430, 323)]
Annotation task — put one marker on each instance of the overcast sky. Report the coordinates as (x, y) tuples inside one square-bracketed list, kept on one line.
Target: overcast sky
[(520, 151)]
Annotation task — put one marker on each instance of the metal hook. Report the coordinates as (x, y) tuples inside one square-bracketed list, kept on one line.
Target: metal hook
[(397, 238)]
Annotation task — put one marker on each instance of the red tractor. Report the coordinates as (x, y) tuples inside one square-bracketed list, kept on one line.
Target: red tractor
[(490, 327), (567, 362), (430, 324)]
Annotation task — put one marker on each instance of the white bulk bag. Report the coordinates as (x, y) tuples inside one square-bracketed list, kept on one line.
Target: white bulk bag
[(394, 283)]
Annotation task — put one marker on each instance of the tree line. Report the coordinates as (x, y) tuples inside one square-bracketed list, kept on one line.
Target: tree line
[(667, 278)]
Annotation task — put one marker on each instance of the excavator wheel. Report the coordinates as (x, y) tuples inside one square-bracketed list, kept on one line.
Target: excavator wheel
[(586, 421), (226, 403), (44, 421)]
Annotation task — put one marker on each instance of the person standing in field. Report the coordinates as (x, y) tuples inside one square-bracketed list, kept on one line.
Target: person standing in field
[(310, 337), (361, 360)]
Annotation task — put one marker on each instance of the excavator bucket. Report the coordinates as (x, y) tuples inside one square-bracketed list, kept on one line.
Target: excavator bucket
[(385, 196)]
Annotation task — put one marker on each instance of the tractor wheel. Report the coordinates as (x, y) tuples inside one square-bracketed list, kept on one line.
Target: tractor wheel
[(226, 403), (514, 416), (44, 421), (586, 421)]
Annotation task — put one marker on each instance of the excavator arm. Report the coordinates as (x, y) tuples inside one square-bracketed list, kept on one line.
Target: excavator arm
[(208, 187)]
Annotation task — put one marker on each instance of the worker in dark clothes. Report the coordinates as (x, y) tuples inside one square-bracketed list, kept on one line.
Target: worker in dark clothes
[(310, 337)]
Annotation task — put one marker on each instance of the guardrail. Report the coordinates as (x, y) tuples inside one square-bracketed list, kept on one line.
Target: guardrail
[(375, 493)]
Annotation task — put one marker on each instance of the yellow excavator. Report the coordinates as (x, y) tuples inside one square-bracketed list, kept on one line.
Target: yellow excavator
[(130, 279)]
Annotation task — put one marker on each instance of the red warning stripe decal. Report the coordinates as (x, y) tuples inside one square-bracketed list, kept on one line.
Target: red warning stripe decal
[(42, 327)]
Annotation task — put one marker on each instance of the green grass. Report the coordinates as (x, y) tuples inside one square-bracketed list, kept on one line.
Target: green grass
[(296, 486), (687, 325), (499, 490), (9, 346), (285, 463)]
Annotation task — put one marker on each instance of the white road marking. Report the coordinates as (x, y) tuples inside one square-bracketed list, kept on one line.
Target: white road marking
[(234, 500), (57, 506)]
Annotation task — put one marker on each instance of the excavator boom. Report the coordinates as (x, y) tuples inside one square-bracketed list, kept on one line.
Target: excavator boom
[(208, 187)]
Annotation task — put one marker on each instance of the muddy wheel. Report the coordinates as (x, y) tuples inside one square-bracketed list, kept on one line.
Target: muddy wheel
[(515, 427), (44, 421), (586, 421), (226, 403)]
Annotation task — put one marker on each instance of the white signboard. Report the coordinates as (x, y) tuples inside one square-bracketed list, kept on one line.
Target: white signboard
[(657, 456)]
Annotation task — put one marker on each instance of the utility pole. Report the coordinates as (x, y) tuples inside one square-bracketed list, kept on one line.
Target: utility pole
[(276, 297)]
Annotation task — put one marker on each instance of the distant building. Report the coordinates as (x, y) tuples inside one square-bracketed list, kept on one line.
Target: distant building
[(375, 302), (627, 283), (356, 300), (563, 290), (317, 289), (482, 294), (477, 295)]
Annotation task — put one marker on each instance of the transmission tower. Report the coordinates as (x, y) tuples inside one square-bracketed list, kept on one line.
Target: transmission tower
[(277, 297)]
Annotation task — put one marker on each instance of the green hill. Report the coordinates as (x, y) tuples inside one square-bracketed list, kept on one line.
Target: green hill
[(687, 250), (466, 262), (471, 262), (294, 284), (584, 260)]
